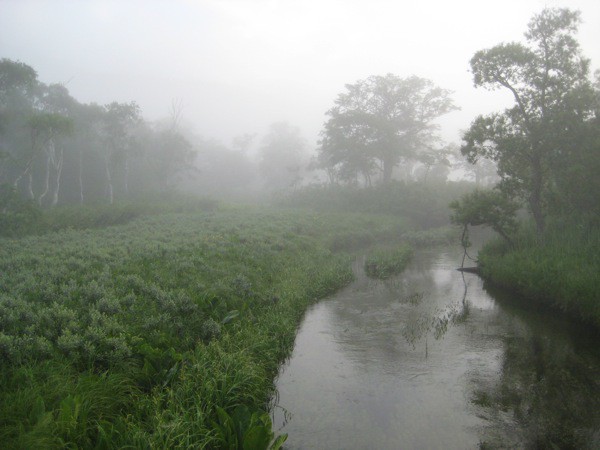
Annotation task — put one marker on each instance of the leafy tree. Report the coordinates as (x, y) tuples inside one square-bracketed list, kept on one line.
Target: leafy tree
[(282, 156), (490, 208), (18, 83), (17, 216), (18, 92), (169, 155), (548, 79), (380, 121), (52, 127), (119, 121), (225, 172), (44, 129)]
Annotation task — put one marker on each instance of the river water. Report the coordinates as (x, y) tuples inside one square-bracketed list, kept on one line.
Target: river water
[(433, 359)]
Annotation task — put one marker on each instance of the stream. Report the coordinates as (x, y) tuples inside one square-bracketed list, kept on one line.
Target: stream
[(433, 359)]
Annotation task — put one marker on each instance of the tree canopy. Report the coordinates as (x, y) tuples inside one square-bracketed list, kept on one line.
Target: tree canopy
[(379, 122), (54, 149), (555, 108), (283, 156)]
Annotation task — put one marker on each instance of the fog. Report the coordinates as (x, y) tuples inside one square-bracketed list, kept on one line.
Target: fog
[(238, 66)]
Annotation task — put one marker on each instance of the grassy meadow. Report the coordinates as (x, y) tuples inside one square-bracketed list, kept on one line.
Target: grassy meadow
[(166, 331)]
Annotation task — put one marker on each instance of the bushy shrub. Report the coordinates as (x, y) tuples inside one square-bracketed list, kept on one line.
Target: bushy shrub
[(18, 217)]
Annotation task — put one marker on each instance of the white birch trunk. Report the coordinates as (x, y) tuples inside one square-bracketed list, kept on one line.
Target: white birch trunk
[(58, 166), (109, 185), (126, 181), (30, 193), (80, 178), (49, 161)]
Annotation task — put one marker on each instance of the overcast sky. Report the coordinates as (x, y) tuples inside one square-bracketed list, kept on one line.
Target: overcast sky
[(239, 65)]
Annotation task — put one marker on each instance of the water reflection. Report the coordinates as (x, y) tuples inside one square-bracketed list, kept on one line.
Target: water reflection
[(430, 360), (547, 394)]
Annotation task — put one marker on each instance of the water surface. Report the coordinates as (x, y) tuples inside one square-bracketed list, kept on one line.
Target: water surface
[(431, 359)]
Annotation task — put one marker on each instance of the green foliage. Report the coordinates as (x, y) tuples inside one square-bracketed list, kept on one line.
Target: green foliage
[(489, 208), (430, 237), (378, 122), (425, 205), (17, 216), (382, 262), (56, 150), (100, 216), (559, 269), (554, 106), (246, 430), (136, 335), (282, 156), (48, 125)]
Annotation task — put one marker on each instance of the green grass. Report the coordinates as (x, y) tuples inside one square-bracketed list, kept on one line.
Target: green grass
[(137, 335), (561, 269), (425, 204), (383, 263)]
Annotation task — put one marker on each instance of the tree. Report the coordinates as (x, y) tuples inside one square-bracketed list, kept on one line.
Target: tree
[(282, 156), (380, 121), (118, 124), (169, 155), (44, 129), (548, 79), (18, 92), (490, 208)]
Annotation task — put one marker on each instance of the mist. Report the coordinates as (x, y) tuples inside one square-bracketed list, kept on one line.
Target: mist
[(240, 66), (257, 225)]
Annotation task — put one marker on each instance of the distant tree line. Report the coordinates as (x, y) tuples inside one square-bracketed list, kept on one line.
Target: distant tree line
[(54, 149), (544, 150)]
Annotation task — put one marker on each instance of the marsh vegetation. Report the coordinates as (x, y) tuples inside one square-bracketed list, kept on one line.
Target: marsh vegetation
[(153, 280)]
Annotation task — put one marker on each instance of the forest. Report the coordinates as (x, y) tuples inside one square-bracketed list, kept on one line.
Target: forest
[(152, 280)]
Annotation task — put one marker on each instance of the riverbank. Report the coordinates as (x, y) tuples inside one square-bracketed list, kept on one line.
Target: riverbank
[(140, 334), (381, 362), (559, 269)]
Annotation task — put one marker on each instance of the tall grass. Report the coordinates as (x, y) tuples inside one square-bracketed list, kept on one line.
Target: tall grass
[(560, 268), (424, 204), (383, 262)]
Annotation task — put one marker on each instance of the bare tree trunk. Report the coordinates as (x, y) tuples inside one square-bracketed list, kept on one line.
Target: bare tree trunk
[(126, 177), (388, 167), (109, 185), (47, 182), (427, 169), (80, 178), (59, 166), (49, 161), (25, 172), (535, 200), (30, 193)]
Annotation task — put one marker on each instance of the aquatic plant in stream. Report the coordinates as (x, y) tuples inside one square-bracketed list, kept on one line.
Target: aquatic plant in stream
[(436, 323), (383, 263)]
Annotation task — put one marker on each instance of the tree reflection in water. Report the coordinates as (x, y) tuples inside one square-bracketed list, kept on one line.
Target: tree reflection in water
[(548, 391), (431, 360)]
